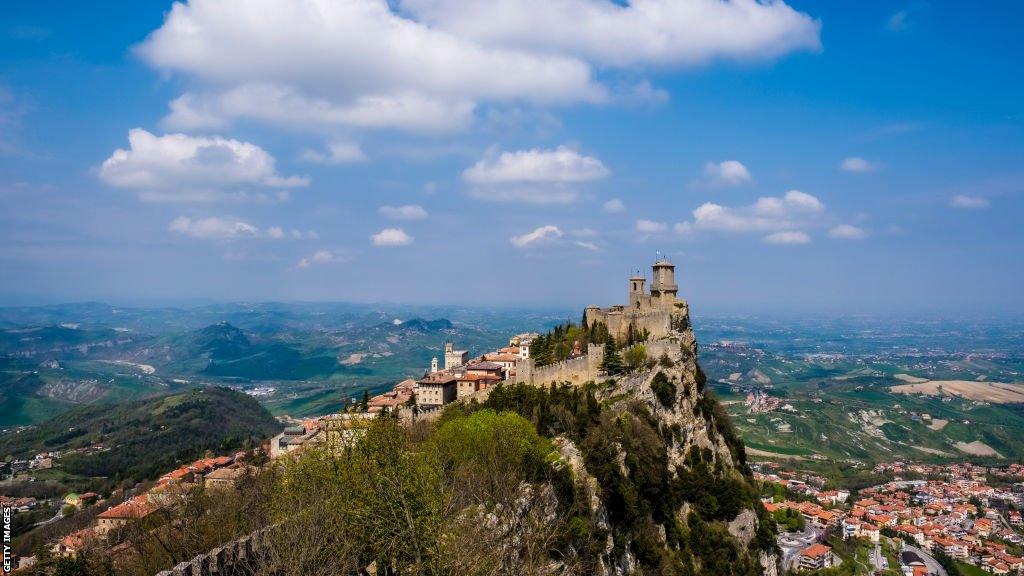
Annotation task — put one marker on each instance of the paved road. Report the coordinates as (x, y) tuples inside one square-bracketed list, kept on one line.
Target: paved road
[(56, 517), (933, 565), (793, 542)]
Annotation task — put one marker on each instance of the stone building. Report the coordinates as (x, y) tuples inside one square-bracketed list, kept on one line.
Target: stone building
[(436, 390), (454, 358), (655, 313)]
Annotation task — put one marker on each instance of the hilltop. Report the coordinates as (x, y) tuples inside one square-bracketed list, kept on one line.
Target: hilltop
[(137, 440)]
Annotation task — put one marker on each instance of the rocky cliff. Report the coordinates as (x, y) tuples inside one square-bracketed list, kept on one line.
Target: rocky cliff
[(664, 476)]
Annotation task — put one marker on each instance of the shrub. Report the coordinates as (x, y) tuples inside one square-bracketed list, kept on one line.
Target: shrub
[(664, 390)]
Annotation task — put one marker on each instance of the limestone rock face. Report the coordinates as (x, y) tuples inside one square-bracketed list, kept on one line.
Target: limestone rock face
[(686, 414)]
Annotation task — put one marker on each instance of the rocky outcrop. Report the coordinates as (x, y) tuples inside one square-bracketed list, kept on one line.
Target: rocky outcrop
[(670, 389)]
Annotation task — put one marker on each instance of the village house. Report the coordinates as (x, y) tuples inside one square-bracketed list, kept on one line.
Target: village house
[(815, 557), (119, 516), (436, 390)]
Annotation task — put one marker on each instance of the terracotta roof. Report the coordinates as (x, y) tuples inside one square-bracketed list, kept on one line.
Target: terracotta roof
[(816, 550), (130, 510)]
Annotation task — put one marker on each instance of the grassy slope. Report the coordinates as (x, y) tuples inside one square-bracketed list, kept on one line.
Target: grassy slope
[(144, 438)]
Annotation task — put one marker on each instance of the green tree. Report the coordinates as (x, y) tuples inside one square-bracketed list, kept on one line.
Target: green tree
[(611, 364)]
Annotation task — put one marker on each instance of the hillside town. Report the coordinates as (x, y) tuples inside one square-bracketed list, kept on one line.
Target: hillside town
[(960, 512)]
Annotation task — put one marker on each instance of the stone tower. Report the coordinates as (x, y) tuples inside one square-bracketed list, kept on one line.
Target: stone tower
[(433, 365), (637, 290), (663, 286)]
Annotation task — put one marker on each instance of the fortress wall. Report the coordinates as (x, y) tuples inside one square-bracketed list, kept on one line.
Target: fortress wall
[(244, 556), (576, 371)]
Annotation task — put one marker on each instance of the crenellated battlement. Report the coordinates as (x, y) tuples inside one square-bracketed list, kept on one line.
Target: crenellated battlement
[(578, 370), (658, 312)]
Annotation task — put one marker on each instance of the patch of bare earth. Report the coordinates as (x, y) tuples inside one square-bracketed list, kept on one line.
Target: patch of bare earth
[(931, 451), (977, 448), (767, 454), (995, 392)]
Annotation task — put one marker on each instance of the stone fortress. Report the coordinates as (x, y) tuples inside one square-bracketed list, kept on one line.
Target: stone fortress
[(648, 316), (657, 312)]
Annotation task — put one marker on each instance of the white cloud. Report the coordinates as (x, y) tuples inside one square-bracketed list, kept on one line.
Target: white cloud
[(653, 32), (795, 209), (353, 63), (213, 228), (562, 165), (177, 167), (322, 257), (429, 64), (537, 236), (407, 212), (788, 237), (727, 173), (533, 176), (339, 152), (307, 235), (391, 237), (217, 228), (847, 232), (650, 227), (858, 165), (966, 202), (614, 206), (588, 246)]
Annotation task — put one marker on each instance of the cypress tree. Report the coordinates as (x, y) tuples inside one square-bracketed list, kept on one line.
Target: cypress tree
[(612, 362)]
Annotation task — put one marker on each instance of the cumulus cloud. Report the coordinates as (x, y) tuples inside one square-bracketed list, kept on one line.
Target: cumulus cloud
[(847, 232), (727, 173), (177, 167), (533, 176), (659, 32), (966, 202), (795, 209), (391, 237), (213, 228), (650, 227), (787, 237), (321, 257), (407, 212), (340, 152), (537, 236), (857, 165), (562, 165), (429, 64), (614, 206)]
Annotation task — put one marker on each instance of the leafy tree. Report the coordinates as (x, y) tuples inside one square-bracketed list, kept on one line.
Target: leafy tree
[(635, 356)]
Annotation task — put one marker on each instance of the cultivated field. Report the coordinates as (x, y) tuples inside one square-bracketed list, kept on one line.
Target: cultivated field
[(994, 392)]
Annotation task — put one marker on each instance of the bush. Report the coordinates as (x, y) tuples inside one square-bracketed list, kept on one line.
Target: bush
[(664, 390)]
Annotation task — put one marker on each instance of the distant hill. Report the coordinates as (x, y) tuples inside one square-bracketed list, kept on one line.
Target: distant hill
[(221, 341), (420, 325), (144, 438)]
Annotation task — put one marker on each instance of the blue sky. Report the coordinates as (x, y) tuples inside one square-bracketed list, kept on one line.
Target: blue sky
[(818, 157)]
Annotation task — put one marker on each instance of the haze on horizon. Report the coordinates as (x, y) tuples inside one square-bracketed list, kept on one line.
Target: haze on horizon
[(838, 157)]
